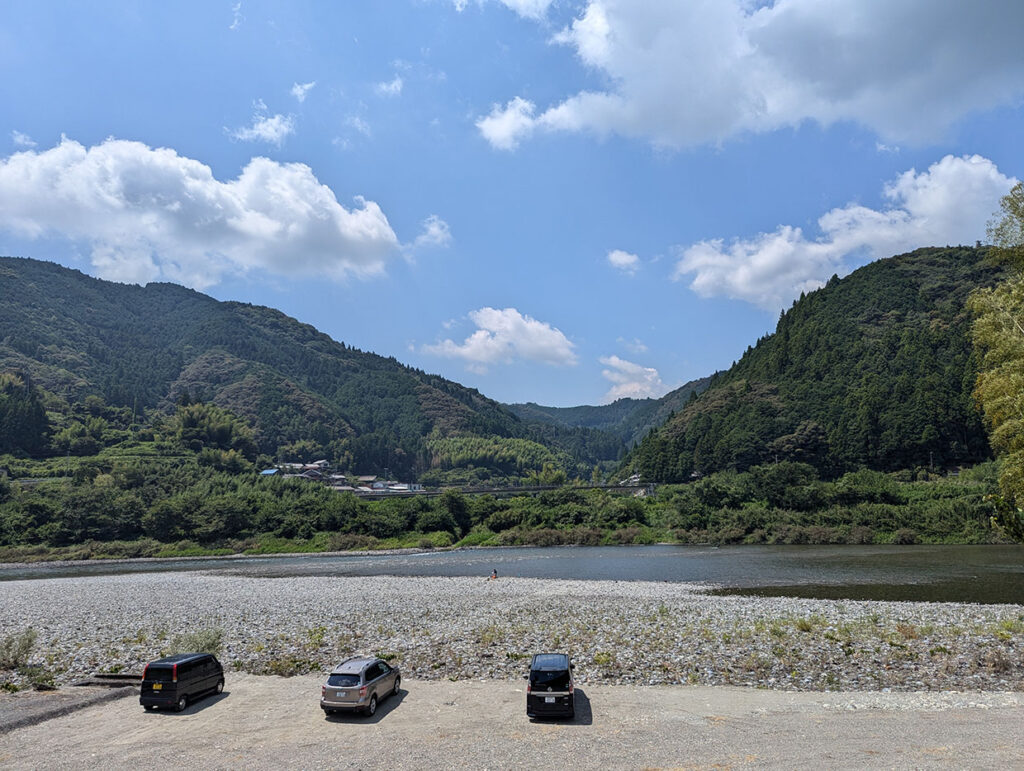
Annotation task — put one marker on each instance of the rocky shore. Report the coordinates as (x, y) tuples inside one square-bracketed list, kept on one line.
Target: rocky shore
[(641, 633)]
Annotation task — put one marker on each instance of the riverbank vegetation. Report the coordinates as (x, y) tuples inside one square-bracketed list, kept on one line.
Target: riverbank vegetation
[(153, 506)]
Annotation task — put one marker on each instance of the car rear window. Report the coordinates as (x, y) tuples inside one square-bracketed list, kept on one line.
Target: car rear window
[(159, 674), (343, 680), (551, 661), (557, 679)]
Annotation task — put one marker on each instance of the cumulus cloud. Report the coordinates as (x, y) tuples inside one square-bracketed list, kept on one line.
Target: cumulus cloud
[(272, 129), (631, 380), (390, 88), (150, 214), (506, 126), (687, 73), (22, 140), (505, 336), (624, 261), (949, 203), (301, 90)]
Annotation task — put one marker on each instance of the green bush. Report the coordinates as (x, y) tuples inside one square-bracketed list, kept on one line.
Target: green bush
[(208, 640), (15, 649)]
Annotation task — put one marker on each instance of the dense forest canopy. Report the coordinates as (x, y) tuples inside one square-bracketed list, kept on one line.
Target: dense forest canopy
[(875, 371), (303, 395), (999, 339)]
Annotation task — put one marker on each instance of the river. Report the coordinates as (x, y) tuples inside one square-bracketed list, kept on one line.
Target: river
[(982, 574)]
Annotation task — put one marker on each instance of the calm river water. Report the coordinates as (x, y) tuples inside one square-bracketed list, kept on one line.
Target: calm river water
[(984, 574)]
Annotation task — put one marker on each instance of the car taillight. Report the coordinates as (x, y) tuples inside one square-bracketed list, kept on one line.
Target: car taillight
[(570, 689), (362, 692), (528, 688), (174, 673), (144, 671), (323, 690)]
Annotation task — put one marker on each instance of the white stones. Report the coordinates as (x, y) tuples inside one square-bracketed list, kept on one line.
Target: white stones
[(436, 628)]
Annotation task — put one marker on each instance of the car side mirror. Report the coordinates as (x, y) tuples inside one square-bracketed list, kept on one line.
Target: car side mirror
[(572, 666)]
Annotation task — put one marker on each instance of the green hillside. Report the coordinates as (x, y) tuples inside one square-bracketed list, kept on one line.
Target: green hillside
[(305, 395), (874, 370), (628, 419)]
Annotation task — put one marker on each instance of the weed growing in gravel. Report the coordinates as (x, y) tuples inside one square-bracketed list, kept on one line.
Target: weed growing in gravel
[(907, 631), (288, 665), (488, 635), (41, 679), (15, 649), (209, 640), (316, 636), (804, 624)]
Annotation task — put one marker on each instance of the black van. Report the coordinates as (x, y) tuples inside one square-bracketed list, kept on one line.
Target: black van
[(174, 681), (550, 691)]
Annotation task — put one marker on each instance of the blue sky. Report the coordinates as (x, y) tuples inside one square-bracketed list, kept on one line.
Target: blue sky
[(559, 202)]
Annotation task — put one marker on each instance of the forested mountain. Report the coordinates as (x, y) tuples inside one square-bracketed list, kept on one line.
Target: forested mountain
[(628, 419), (874, 370), (149, 348)]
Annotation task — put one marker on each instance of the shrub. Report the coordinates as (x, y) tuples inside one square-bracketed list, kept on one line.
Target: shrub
[(15, 649), (209, 640), (350, 541), (904, 536)]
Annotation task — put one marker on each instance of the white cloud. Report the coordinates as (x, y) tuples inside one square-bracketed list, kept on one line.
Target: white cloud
[(435, 233), (391, 88), (236, 16), (301, 90), (505, 336), (151, 214), (624, 261), (272, 129), (530, 9), (359, 125), (636, 345), (949, 203), (687, 73), (631, 380), (507, 125), (22, 140)]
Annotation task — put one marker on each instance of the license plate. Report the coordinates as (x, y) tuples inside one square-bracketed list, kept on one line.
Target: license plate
[(339, 694), (158, 686), (549, 699)]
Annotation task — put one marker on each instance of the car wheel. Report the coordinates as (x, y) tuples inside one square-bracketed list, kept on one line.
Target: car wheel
[(398, 685), (219, 688), (182, 703), (372, 706)]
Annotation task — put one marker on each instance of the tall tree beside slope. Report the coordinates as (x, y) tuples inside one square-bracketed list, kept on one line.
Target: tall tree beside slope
[(998, 334)]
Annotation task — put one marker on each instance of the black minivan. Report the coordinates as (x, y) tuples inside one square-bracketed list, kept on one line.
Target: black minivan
[(174, 681), (550, 691)]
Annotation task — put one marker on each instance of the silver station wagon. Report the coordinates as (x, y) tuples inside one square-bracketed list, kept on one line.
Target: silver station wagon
[(358, 684)]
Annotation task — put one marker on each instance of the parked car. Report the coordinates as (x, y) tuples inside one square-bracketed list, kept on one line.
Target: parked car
[(174, 681), (550, 691), (358, 684)]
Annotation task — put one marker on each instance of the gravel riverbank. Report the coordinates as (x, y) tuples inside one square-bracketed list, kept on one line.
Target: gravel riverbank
[(641, 633)]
